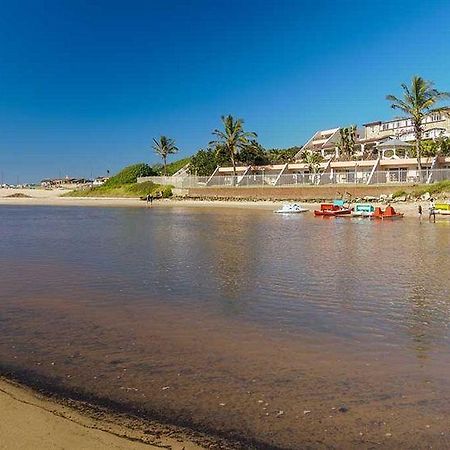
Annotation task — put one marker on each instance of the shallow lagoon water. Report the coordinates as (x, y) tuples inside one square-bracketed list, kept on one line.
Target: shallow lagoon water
[(239, 322)]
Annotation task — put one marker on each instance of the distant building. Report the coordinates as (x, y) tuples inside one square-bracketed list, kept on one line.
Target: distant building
[(369, 138), (99, 181), (383, 154), (66, 182), (435, 125), (325, 142)]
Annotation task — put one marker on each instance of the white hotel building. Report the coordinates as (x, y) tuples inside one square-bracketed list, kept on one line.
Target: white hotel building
[(383, 155)]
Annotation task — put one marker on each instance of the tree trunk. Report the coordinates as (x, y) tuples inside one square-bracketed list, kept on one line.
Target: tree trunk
[(418, 136), (165, 165), (233, 162)]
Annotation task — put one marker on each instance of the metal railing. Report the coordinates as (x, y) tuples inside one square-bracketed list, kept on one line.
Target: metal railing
[(392, 176)]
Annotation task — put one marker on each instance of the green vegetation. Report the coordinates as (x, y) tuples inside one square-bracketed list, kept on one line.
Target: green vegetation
[(164, 147), (313, 160), (438, 147), (253, 154), (129, 190), (346, 143), (418, 100), (130, 174), (233, 138), (124, 185), (282, 155), (204, 162), (399, 193), (440, 187), (172, 167)]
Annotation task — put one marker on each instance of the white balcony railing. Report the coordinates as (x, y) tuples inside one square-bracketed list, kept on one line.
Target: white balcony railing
[(392, 176)]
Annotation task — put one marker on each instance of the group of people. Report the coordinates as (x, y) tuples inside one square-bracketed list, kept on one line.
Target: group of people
[(431, 210)]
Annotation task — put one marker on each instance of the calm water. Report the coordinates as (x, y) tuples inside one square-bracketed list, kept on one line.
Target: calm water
[(237, 321)]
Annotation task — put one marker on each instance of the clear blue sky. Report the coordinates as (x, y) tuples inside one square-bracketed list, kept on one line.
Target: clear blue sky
[(85, 85)]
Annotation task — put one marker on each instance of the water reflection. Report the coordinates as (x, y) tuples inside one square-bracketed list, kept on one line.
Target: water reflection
[(231, 306), (341, 276)]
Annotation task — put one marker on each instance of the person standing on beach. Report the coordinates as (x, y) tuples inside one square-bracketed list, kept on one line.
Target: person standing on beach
[(432, 210), (149, 199), (419, 208)]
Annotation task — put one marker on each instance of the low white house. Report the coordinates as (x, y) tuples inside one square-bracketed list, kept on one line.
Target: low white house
[(99, 181)]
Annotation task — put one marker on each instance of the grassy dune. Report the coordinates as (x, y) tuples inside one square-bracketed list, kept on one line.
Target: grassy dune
[(123, 185), (177, 165), (129, 190), (441, 187)]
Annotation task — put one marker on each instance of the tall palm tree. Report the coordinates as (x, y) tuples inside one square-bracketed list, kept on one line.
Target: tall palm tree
[(164, 147), (233, 137), (419, 99), (347, 142), (312, 159)]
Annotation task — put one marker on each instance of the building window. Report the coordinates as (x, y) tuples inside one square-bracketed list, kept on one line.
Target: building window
[(435, 117)]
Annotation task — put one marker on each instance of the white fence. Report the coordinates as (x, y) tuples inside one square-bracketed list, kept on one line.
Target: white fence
[(395, 176)]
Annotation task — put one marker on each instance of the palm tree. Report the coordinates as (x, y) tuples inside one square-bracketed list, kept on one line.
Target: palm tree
[(164, 147), (347, 141), (233, 138), (418, 100), (313, 160)]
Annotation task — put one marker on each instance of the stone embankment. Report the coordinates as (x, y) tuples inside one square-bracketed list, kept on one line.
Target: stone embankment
[(304, 193)]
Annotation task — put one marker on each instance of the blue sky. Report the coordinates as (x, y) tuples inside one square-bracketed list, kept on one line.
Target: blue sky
[(85, 85)]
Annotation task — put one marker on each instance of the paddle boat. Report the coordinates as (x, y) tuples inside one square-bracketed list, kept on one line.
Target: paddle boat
[(363, 210), (290, 208), (337, 208), (442, 208), (388, 213)]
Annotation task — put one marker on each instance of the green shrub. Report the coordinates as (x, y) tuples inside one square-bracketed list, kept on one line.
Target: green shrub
[(177, 165), (172, 167), (128, 190), (167, 192), (399, 193), (434, 188), (141, 189), (130, 174)]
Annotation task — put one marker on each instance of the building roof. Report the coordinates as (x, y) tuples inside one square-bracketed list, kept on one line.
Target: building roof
[(377, 122), (392, 143)]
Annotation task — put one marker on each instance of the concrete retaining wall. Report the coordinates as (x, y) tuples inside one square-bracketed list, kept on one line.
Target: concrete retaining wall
[(296, 193)]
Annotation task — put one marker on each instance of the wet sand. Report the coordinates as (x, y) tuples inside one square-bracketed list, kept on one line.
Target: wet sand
[(279, 391), (30, 421)]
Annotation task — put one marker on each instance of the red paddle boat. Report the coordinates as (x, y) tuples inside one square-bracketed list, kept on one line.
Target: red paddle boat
[(332, 209), (388, 213)]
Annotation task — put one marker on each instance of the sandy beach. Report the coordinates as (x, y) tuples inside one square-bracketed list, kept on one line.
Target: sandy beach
[(54, 197), (44, 197), (30, 421)]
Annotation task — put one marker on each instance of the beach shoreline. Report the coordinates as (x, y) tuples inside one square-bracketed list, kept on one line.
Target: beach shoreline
[(42, 197), (58, 421), (76, 407)]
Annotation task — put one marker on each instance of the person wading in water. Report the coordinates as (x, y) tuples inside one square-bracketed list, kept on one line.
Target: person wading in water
[(432, 211)]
